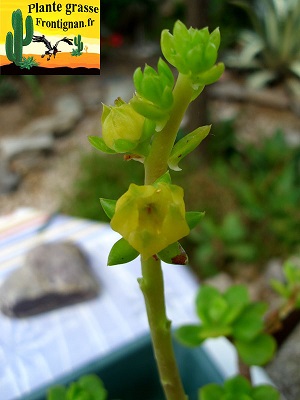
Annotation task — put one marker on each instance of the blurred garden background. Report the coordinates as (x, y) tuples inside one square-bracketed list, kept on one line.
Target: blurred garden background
[(246, 175)]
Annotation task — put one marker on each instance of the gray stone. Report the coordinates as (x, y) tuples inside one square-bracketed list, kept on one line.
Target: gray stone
[(9, 181), (68, 110), (13, 146), (119, 87), (53, 275), (284, 370), (42, 126), (240, 92)]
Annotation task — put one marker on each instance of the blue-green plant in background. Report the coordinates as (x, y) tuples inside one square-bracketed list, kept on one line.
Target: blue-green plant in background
[(271, 49), (14, 41)]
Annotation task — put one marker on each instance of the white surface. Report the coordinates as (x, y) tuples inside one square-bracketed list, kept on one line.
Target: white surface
[(37, 350)]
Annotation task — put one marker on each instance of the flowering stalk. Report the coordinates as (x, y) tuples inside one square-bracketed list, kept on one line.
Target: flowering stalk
[(152, 218), (156, 164), (152, 285)]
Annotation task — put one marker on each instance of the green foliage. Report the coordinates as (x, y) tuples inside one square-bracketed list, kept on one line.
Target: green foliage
[(28, 63), (222, 243), (272, 47), (231, 315), (249, 192), (290, 290), (238, 388), (88, 387), (229, 19), (8, 90), (14, 43), (265, 181)]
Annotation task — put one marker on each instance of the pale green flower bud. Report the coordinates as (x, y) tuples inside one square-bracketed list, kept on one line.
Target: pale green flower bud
[(192, 51), (122, 127), (154, 97)]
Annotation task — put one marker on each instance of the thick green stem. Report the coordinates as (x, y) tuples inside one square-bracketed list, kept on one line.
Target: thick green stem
[(156, 164), (152, 286)]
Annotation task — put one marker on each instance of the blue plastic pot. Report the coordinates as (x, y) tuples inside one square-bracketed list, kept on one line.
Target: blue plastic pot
[(130, 372)]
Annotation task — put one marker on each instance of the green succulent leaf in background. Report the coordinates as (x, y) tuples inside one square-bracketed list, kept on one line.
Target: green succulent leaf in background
[(233, 315), (238, 388), (290, 289), (88, 387)]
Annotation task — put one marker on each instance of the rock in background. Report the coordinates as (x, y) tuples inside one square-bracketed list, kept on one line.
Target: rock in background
[(53, 275)]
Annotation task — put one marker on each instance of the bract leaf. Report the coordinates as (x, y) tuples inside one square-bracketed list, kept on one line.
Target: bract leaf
[(174, 254), (99, 144), (193, 218), (149, 110), (165, 178), (187, 144), (121, 252), (189, 335), (257, 352), (108, 206), (124, 145)]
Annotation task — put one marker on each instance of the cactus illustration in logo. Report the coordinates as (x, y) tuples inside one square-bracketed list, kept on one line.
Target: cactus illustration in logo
[(15, 42), (77, 41)]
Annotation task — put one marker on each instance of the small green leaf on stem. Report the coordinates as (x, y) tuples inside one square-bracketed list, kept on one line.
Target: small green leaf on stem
[(99, 144), (165, 178), (187, 144), (108, 206), (174, 254), (121, 253), (193, 218)]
